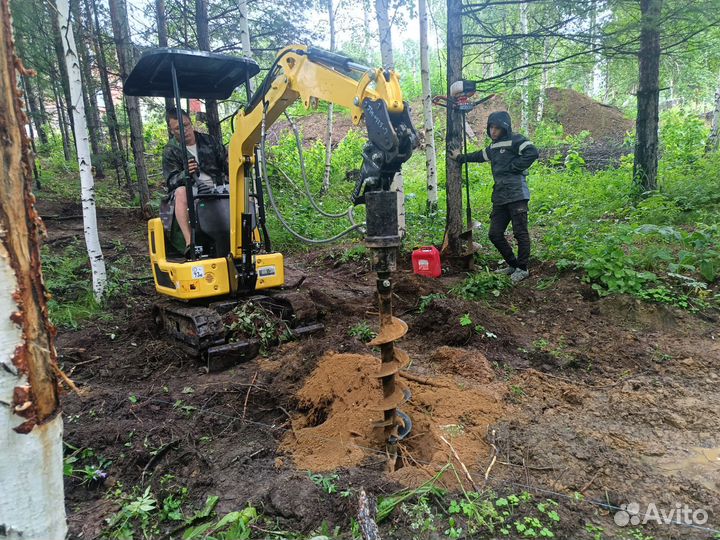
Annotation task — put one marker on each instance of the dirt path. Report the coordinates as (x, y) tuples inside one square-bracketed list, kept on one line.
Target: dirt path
[(613, 399)]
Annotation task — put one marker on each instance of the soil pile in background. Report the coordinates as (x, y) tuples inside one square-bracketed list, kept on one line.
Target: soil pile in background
[(338, 406), (578, 112)]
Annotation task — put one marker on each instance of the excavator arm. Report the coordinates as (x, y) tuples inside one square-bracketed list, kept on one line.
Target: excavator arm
[(311, 74)]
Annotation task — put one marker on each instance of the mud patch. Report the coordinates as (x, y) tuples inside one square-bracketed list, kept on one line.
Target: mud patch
[(338, 405)]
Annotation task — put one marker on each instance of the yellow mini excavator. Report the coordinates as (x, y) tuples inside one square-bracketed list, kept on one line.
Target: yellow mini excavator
[(232, 259)]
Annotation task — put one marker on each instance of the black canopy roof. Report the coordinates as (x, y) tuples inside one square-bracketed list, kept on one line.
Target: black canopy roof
[(200, 74)]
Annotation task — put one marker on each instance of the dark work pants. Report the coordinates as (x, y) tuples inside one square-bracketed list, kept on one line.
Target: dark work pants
[(501, 215)]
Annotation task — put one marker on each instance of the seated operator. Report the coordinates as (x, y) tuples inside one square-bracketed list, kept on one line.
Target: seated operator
[(207, 163)]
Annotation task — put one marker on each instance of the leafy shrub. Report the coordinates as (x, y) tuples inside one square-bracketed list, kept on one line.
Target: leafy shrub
[(480, 284)]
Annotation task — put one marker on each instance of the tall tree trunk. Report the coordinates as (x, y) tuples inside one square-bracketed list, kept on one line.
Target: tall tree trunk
[(328, 135), (35, 113), (87, 183), (366, 29), (57, 43), (212, 118), (31, 452), (525, 110), (62, 123), (161, 21), (24, 84), (453, 139), (89, 91), (383, 20), (596, 88), (116, 142), (648, 97), (244, 29), (543, 83), (126, 59), (429, 132), (714, 139)]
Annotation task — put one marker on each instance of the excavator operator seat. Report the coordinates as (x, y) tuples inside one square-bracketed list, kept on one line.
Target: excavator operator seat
[(213, 223)]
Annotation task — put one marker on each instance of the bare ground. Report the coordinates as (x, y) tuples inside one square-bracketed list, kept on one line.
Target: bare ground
[(611, 398)]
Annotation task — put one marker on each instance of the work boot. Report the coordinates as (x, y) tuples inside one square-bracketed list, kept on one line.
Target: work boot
[(506, 270), (188, 253), (518, 275)]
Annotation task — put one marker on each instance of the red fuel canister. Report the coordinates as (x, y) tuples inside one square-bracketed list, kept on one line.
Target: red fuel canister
[(426, 262)]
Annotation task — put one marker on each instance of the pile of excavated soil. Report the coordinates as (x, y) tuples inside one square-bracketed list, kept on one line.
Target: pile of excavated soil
[(338, 405), (578, 112)]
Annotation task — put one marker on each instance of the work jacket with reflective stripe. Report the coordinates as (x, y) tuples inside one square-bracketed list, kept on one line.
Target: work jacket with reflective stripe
[(509, 157)]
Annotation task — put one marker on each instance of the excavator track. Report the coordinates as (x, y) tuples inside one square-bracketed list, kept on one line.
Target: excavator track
[(200, 331)]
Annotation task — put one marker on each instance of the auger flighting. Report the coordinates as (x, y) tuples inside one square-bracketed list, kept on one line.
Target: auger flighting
[(383, 239)]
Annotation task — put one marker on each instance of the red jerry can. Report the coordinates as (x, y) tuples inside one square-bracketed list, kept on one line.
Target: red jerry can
[(426, 262)]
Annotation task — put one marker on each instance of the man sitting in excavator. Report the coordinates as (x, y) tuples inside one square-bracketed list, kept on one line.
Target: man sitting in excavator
[(207, 163)]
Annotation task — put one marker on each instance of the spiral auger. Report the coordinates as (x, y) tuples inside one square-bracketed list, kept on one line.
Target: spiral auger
[(383, 239)]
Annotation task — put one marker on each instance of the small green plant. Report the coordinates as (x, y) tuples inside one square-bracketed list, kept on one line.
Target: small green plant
[(596, 531), (427, 300), (362, 331), (481, 284), (252, 320), (465, 320), (328, 483)]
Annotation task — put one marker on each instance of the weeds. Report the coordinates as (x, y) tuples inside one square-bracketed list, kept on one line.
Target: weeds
[(481, 284), (362, 331)]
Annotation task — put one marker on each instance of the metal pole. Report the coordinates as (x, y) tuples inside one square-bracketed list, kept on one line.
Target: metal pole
[(188, 180)]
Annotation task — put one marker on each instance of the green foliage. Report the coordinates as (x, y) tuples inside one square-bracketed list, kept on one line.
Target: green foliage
[(683, 135), (427, 300), (479, 285), (328, 483), (67, 276), (362, 331), (252, 320)]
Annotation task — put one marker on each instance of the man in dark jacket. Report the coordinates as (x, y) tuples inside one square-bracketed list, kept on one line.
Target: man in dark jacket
[(510, 155), (207, 162)]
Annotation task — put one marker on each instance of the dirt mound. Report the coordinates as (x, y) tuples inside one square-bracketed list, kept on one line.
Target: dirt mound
[(338, 407), (478, 117), (463, 362), (314, 128), (578, 112)]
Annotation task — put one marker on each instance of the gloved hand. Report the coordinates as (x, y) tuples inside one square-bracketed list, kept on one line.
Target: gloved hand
[(457, 156)]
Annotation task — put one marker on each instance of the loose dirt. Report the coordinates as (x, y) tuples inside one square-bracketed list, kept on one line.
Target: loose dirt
[(611, 398), (339, 404)]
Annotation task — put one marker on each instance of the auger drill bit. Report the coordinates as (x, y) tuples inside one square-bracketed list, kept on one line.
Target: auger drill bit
[(383, 239)]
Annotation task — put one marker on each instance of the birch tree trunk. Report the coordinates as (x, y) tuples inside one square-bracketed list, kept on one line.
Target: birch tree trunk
[(87, 184), (89, 91), (453, 140), (244, 28), (126, 59), (329, 133), (366, 26), (31, 453), (714, 139), (57, 44), (429, 132), (35, 113), (116, 142), (525, 110), (648, 97), (543, 83)]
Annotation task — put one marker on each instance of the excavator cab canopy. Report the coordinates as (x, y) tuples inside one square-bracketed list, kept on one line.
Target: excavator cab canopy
[(199, 74)]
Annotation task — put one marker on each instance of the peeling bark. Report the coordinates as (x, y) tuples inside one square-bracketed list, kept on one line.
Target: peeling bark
[(31, 463)]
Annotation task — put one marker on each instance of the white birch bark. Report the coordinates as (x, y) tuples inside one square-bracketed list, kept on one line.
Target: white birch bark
[(429, 132), (328, 137), (598, 81), (543, 82), (31, 465), (525, 111), (87, 183), (244, 28)]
